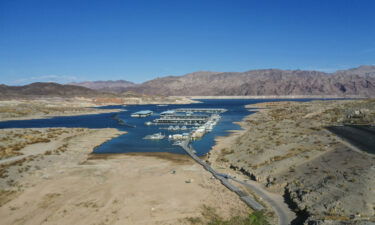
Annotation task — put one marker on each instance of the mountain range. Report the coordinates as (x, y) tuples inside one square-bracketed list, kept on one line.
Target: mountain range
[(106, 86), (267, 82), (358, 81), (41, 89)]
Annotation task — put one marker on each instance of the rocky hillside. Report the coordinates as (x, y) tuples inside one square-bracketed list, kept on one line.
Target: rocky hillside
[(47, 90), (272, 82), (287, 148), (107, 86)]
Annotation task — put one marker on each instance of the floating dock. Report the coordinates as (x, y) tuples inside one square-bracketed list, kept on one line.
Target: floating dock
[(203, 110), (187, 119), (180, 120)]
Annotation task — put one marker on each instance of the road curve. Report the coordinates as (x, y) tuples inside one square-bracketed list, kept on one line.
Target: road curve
[(284, 214), (282, 210)]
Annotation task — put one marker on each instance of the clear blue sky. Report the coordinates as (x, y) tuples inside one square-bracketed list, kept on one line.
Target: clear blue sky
[(67, 40)]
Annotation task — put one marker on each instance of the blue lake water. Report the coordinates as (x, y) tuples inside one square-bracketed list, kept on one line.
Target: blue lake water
[(133, 141)]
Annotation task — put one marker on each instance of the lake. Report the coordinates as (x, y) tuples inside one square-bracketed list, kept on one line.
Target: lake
[(136, 129)]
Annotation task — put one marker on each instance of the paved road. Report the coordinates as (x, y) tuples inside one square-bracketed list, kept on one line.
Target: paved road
[(283, 212), (361, 136)]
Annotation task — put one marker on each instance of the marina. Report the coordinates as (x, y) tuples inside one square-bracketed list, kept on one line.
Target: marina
[(137, 128), (199, 121)]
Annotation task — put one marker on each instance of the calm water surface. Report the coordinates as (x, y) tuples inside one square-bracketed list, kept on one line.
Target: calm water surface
[(133, 141)]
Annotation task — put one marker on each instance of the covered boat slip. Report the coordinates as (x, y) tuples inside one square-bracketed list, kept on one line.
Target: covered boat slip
[(203, 110), (184, 119), (180, 120)]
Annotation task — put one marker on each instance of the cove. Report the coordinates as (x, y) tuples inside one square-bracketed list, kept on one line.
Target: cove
[(136, 129)]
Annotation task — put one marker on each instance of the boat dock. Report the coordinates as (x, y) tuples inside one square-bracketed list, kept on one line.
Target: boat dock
[(204, 110), (182, 119)]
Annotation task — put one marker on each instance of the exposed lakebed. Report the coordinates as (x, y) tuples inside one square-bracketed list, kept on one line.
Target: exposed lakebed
[(136, 129)]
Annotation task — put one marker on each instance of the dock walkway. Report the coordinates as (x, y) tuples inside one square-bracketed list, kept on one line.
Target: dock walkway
[(243, 196)]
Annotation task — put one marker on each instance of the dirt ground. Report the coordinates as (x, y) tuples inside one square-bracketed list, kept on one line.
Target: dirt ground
[(74, 187)]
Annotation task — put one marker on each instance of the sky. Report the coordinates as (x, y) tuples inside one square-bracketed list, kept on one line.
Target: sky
[(78, 40)]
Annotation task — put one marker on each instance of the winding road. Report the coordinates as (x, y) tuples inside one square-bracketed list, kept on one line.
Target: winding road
[(285, 215)]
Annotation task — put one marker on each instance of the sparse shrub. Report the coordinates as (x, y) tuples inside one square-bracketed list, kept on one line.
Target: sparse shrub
[(210, 217)]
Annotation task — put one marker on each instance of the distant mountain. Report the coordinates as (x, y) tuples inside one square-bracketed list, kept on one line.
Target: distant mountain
[(47, 90), (107, 86), (268, 82)]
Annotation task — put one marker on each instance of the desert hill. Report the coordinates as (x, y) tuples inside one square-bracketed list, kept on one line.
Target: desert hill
[(116, 86), (358, 81), (41, 89)]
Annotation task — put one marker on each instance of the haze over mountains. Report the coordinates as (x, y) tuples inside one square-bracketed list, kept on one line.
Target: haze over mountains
[(268, 82), (109, 86), (272, 82)]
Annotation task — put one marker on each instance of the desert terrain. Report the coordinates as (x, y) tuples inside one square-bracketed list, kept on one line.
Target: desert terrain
[(49, 177), (286, 148), (36, 108)]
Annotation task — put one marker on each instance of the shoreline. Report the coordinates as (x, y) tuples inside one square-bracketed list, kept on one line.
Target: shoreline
[(287, 141), (71, 185), (179, 158), (91, 109), (274, 202), (33, 117), (280, 97)]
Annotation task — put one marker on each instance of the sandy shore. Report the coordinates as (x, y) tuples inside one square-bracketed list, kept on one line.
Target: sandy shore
[(41, 108), (75, 187), (274, 97), (47, 108), (50, 115)]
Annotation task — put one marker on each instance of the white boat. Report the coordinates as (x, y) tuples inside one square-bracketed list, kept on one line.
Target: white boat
[(148, 123), (143, 113), (156, 136)]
